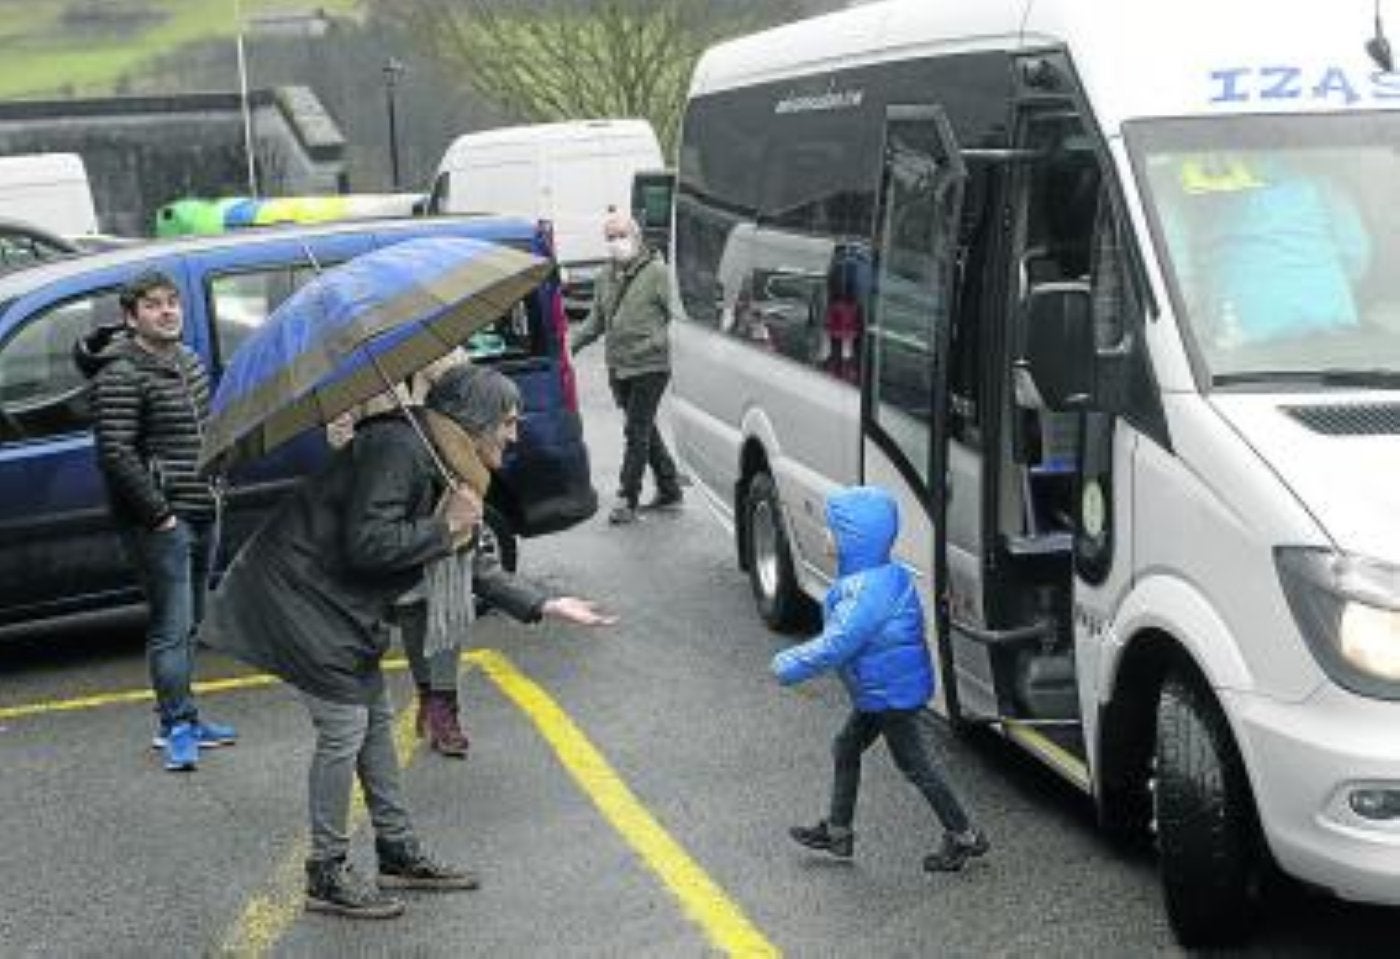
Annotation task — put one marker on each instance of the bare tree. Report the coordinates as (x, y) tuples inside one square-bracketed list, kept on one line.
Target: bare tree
[(562, 59)]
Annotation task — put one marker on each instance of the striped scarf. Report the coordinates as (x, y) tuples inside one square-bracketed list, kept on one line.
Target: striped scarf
[(448, 581)]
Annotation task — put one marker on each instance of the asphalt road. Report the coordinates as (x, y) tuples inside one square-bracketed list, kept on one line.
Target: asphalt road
[(646, 816)]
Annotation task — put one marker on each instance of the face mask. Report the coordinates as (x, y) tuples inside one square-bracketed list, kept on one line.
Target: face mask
[(622, 248)]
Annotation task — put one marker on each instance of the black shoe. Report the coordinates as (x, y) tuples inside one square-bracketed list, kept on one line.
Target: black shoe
[(333, 886), (407, 865), (957, 850), (665, 499), (820, 837)]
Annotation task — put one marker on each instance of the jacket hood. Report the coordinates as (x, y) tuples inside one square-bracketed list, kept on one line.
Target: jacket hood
[(96, 349), (864, 521)]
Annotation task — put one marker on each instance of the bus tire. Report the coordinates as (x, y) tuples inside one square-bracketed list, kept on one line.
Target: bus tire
[(775, 591), (1207, 831)]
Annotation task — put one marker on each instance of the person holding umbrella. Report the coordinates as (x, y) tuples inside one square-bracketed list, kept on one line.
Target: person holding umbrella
[(307, 598)]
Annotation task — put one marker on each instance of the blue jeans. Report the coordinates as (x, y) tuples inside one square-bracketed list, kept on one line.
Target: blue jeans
[(173, 569)]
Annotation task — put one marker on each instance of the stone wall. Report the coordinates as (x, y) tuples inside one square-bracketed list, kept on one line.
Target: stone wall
[(144, 151)]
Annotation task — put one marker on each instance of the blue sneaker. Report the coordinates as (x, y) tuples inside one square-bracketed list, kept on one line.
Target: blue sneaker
[(182, 748), (214, 735), (211, 735)]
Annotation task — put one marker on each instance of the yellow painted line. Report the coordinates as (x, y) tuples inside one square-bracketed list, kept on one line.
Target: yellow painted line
[(723, 922), (210, 687), (270, 912), (278, 902)]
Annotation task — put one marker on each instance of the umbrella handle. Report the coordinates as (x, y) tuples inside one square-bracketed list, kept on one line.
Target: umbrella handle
[(442, 469)]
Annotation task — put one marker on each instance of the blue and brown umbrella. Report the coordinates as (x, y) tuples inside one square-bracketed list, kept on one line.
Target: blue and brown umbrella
[(353, 332)]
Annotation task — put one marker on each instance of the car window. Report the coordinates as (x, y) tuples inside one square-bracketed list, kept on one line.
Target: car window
[(515, 334), (41, 391), (18, 251), (241, 302)]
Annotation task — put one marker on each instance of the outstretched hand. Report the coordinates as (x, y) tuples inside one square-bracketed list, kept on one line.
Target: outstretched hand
[(583, 612)]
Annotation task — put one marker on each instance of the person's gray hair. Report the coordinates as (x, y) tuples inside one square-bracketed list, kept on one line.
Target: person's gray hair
[(478, 398)]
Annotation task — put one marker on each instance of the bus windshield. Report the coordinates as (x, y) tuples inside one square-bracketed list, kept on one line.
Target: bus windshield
[(1280, 241)]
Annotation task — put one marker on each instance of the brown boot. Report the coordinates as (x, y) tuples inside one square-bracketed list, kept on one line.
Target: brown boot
[(445, 733)]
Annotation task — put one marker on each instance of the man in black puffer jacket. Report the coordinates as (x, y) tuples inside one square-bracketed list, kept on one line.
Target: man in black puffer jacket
[(150, 399)]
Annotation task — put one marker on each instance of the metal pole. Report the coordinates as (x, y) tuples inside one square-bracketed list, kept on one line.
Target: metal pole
[(392, 69), (243, 97)]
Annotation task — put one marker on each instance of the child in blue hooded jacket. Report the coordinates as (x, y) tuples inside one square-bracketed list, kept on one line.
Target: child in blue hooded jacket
[(873, 635)]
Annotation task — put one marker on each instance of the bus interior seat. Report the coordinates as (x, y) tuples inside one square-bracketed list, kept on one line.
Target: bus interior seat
[(1050, 438)]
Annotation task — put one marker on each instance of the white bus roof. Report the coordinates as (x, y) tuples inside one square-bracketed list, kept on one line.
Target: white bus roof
[(1134, 58)]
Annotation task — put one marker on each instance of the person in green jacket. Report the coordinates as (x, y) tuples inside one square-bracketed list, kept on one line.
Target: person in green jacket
[(632, 312)]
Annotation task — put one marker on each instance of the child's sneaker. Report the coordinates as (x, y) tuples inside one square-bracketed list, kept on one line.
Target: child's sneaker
[(840, 843), (956, 850)]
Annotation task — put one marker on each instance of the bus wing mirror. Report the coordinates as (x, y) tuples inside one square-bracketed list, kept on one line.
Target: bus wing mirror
[(1058, 355)]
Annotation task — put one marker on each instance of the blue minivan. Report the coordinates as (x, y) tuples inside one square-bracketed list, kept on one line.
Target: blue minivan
[(59, 553)]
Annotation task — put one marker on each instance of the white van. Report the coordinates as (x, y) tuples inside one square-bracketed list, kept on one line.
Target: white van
[(568, 173), (1117, 290), (49, 190)]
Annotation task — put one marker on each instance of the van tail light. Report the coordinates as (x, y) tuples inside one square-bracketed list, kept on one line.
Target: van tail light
[(559, 320), (568, 380)]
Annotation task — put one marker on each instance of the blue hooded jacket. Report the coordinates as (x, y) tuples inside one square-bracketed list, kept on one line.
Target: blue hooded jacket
[(873, 623)]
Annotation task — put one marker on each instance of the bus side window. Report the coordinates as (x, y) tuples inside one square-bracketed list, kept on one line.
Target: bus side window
[(1109, 291), (979, 218)]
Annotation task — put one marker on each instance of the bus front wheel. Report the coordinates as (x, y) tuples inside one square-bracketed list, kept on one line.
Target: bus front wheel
[(771, 576), (1206, 826)]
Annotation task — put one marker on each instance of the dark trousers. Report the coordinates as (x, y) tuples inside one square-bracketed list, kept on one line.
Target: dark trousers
[(173, 569), (901, 731), (639, 397)]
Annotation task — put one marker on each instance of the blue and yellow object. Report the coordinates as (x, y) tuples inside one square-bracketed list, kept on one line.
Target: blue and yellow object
[(201, 217)]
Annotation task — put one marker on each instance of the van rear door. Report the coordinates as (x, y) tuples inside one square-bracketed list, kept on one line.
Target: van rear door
[(544, 485)]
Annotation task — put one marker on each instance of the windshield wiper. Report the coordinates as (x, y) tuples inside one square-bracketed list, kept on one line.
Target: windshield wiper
[(1380, 379)]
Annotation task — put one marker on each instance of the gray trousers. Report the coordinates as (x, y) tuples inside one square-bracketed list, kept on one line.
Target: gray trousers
[(437, 672), (351, 741)]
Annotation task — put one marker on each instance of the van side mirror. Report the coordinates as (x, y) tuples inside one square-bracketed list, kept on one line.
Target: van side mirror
[(1057, 355)]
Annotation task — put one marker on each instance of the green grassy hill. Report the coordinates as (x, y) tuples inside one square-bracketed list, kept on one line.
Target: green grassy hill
[(84, 47)]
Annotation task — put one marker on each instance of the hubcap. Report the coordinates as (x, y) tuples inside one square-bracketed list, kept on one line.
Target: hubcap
[(765, 548)]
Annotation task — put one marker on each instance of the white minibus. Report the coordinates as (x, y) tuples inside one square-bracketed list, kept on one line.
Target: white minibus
[(568, 173), (1109, 295)]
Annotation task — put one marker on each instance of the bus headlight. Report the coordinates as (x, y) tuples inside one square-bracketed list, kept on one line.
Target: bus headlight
[(1348, 609)]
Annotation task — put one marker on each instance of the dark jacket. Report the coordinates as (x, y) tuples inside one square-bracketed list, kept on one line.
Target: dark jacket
[(632, 310), (872, 623), (307, 598), (148, 418)]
